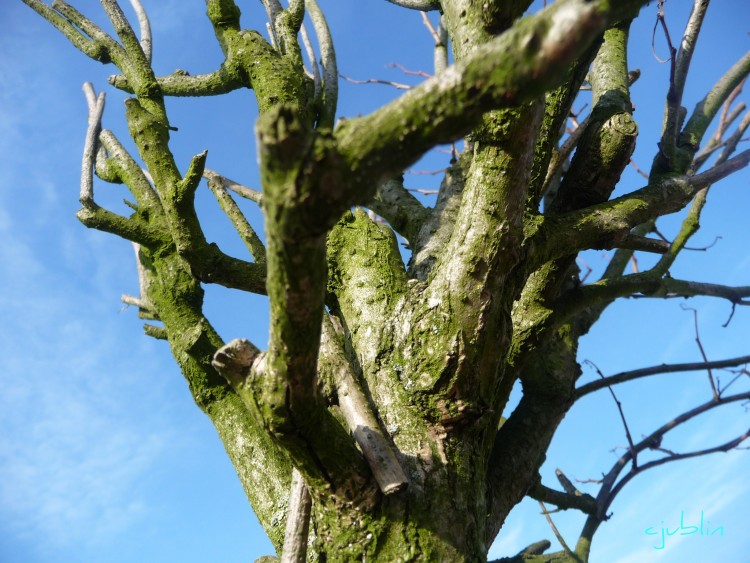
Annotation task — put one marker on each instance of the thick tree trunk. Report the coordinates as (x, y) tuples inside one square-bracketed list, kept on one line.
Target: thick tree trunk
[(438, 521)]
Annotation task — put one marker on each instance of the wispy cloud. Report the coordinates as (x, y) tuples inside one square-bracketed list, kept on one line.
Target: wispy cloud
[(73, 447), (70, 453)]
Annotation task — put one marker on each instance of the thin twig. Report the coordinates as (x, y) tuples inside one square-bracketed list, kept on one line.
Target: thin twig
[(703, 352), (376, 81), (428, 24), (622, 415), (405, 70), (426, 172), (671, 457), (557, 533), (638, 169), (609, 490), (585, 276), (626, 376), (423, 192)]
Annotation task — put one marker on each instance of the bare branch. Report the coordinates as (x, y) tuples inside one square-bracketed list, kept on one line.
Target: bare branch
[(287, 26), (239, 189), (145, 28), (566, 483), (328, 61), (561, 155), (634, 456), (440, 57), (644, 244), (158, 332), (317, 79), (730, 145), (273, 9), (609, 224), (725, 120), (90, 148), (640, 285), (653, 370), (557, 533), (611, 487), (428, 24), (720, 171), (244, 229), (687, 45), (680, 68), (528, 552), (377, 81), (128, 171), (702, 351), (609, 491), (126, 34), (709, 106), (297, 521), (563, 31), (360, 416), (422, 5), (131, 229), (440, 37), (725, 447), (94, 46)]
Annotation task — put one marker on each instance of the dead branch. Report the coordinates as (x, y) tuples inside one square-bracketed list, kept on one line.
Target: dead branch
[(297, 521)]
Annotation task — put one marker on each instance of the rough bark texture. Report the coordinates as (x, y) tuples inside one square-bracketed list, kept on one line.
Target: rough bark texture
[(385, 385)]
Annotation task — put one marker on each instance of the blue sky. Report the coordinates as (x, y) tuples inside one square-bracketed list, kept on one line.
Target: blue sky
[(103, 455)]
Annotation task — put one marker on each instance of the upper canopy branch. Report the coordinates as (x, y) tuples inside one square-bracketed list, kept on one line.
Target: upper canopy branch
[(653, 370), (519, 65), (643, 284), (608, 224), (86, 37), (255, 63)]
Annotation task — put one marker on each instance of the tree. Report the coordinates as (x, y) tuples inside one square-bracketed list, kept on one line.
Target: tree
[(382, 393)]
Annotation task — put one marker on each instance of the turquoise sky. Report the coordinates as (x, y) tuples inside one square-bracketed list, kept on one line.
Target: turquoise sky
[(103, 456)]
